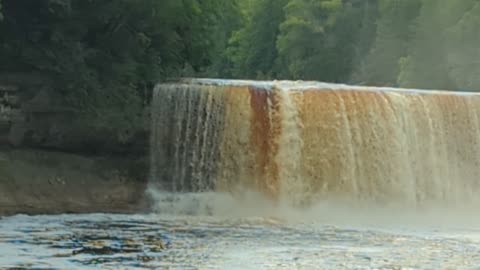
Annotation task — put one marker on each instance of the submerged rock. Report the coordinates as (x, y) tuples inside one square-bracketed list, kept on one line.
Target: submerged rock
[(106, 250)]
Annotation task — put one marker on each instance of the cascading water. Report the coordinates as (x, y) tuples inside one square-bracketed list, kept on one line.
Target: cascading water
[(186, 131), (303, 141), (285, 175)]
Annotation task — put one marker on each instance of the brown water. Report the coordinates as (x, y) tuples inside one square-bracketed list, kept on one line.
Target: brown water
[(305, 141), (285, 175)]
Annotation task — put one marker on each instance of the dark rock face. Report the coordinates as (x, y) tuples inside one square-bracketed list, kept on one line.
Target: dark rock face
[(9, 114), (41, 182), (50, 163)]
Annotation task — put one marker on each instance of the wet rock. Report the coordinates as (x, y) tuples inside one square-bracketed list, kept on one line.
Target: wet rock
[(62, 255), (128, 243), (104, 250), (104, 260), (157, 249), (96, 251), (144, 258), (156, 245)]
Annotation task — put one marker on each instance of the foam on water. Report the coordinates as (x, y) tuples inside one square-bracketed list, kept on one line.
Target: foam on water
[(316, 85)]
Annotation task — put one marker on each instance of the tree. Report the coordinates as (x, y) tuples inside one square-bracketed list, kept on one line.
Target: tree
[(393, 34), (306, 42), (102, 55), (427, 64), (366, 12), (462, 50), (228, 19), (323, 40), (253, 48)]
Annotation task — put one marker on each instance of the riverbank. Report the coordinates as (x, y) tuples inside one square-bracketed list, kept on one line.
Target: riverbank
[(36, 181)]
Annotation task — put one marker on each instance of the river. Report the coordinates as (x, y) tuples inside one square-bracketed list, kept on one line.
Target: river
[(324, 237)]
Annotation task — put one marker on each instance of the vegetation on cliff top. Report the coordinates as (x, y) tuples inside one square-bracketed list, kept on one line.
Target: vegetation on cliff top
[(102, 57), (406, 43)]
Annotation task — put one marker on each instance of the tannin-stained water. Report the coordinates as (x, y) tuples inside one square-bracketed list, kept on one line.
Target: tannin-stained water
[(306, 141), (285, 175)]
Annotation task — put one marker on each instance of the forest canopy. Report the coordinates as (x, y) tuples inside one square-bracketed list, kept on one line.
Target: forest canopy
[(103, 57), (403, 43)]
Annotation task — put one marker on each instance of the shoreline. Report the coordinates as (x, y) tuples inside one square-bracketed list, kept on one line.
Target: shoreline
[(39, 182)]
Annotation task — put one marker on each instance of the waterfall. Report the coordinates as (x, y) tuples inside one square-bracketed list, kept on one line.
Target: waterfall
[(187, 124), (302, 141)]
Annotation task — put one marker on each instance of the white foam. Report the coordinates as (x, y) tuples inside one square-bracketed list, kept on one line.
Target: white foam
[(316, 85)]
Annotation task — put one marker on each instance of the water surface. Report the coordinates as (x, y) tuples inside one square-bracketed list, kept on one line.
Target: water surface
[(104, 241)]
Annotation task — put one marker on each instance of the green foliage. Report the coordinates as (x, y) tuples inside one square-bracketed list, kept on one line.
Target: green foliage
[(409, 43), (427, 65), (325, 40), (462, 48), (307, 41), (366, 13), (253, 47), (228, 20), (394, 32), (104, 56)]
